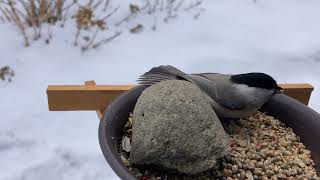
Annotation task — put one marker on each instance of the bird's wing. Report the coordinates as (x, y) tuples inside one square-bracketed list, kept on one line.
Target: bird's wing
[(217, 86), (220, 89), (161, 73)]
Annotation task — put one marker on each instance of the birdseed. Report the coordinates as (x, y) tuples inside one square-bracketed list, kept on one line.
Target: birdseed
[(261, 147)]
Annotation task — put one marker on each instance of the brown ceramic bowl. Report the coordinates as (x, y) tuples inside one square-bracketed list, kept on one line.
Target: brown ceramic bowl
[(304, 121)]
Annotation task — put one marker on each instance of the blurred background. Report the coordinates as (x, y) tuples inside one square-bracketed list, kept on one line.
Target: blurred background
[(113, 42)]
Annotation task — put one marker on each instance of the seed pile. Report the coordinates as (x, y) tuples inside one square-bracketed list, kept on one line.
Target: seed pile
[(261, 147)]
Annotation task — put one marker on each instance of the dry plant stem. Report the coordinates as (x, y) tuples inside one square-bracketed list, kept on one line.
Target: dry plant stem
[(10, 14), (161, 5), (59, 4), (18, 22), (144, 7), (69, 6), (79, 5), (77, 36), (153, 7), (86, 47), (97, 5), (169, 3), (131, 15), (154, 27), (64, 19), (90, 3), (193, 5), (149, 5), (110, 14), (22, 15), (169, 12), (66, 11), (180, 3), (42, 10), (31, 14), (123, 20), (37, 32), (106, 5), (5, 14), (24, 4), (50, 32), (104, 41)]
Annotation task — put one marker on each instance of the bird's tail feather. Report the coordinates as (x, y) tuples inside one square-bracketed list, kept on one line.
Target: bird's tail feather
[(160, 73)]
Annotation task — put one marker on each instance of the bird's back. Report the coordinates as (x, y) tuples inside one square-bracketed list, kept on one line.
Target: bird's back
[(229, 99), (220, 89)]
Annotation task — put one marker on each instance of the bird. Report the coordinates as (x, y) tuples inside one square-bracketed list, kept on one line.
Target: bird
[(231, 96)]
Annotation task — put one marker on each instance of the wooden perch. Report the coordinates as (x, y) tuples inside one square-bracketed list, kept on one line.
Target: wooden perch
[(97, 97)]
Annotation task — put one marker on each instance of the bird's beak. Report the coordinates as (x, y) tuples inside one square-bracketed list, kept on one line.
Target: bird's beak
[(279, 90)]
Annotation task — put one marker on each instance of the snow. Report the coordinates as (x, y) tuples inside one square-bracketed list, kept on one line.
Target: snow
[(280, 38)]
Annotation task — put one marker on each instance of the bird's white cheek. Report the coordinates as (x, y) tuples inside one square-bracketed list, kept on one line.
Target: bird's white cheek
[(245, 90)]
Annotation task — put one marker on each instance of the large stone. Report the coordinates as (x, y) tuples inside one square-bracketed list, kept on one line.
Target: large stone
[(175, 127)]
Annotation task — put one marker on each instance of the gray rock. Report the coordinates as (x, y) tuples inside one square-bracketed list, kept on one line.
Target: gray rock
[(175, 127)]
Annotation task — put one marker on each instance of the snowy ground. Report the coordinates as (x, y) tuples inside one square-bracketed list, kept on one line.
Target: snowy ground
[(232, 36)]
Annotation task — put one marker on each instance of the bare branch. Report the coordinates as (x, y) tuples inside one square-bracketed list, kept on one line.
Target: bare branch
[(110, 14), (123, 20), (106, 5), (97, 5), (193, 5), (77, 36), (104, 41)]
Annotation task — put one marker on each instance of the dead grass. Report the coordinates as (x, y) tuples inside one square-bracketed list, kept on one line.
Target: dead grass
[(36, 18), (33, 14), (6, 73), (86, 19)]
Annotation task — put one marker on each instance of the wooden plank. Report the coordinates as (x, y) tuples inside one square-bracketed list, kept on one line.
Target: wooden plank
[(297, 87), (99, 111), (81, 97), (89, 88), (98, 97), (300, 92)]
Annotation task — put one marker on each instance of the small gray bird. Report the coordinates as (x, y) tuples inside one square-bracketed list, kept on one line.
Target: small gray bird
[(231, 96)]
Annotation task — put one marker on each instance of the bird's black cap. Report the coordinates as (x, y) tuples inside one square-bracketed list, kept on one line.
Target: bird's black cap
[(260, 80)]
